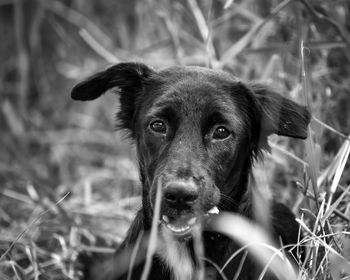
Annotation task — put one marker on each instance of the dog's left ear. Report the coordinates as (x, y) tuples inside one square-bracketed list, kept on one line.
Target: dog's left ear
[(281, 115)]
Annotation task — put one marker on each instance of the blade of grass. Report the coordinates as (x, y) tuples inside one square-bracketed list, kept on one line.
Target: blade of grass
[(319, 216), (204, 30), (340, 167), (289, 154), (23, 60), (19, 236), (97, 47), (217, 268), (315, 245), (330, 128), (79, 20), (174, 35), (234, 50), (321, 265), (283, 48), (267, 265), (273, 66), (134, 253), (228, 4), (310, 148), (17, 196), (257, 242), (238, 10), (235, 254), (198, 251), (334, 206), (154, 233), (329, 171), (317, 238), (17, 270), (241, 263), (338, 27), (209, 45), (200, 20), (32, 256)]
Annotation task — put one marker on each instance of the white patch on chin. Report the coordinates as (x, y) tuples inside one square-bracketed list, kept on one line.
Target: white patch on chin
[(175, 254)]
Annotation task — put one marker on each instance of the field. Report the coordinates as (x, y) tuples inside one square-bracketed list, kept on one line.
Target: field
[(69, 180)]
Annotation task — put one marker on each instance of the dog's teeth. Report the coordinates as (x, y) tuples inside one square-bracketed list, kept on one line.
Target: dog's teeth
[(192, 221), (177, 229), (214, 210), (166, 219)]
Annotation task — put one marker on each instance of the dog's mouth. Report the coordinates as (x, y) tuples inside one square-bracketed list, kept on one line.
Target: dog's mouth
[(181, 227)]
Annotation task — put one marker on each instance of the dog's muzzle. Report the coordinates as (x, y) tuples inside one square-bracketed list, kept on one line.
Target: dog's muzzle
[(182, 208), (181, 227)]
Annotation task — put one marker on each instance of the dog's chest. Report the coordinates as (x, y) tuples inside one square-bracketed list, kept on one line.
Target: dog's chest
[(177, 258)]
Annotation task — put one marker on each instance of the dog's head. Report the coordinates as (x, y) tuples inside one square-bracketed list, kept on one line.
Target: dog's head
[(197, 131)]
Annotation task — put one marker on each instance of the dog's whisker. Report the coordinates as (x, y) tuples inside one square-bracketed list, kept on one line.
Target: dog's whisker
[(227, 198)]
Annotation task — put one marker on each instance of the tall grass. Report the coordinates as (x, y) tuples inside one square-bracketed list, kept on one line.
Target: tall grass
[(50, 146)]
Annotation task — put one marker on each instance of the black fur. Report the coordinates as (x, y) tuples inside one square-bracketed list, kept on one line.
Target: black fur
[(197, 170)]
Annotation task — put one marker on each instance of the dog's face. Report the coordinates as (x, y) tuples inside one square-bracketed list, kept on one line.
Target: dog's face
[(190, 132), (197, 131)]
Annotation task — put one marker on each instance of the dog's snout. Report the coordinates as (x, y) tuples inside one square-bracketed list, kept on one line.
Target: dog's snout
[(181, 194)]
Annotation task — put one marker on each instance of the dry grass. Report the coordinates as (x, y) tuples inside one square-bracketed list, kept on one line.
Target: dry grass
[(70, 184)]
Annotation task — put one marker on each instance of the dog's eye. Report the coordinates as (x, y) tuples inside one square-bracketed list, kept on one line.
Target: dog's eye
[(221, 133), (158, 126)]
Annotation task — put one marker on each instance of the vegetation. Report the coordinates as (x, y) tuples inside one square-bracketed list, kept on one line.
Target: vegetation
[(69, 182)]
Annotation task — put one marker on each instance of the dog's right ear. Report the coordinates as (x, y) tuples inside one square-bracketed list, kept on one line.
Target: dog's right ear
[(128, 77)]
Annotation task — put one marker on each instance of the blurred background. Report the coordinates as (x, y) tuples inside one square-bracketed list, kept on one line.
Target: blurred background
[(69, 180)]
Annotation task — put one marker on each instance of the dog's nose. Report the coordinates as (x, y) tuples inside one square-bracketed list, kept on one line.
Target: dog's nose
[(180, 194)]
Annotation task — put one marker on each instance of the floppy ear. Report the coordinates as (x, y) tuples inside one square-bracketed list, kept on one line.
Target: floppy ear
[(281, 115), (129, 78)]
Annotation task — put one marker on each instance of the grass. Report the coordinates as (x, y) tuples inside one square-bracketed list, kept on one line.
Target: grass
[(70, 184)]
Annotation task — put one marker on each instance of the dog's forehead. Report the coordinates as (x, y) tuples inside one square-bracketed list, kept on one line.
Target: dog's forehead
[(194, 92), (177, 73), (194, 85)]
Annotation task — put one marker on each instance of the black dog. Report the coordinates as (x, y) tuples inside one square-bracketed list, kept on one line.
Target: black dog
[(197, 133)]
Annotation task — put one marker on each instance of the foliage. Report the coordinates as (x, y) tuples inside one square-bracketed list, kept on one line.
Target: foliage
[(69, 183)]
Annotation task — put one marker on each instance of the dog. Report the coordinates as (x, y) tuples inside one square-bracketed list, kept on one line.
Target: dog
[(197, 132)]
